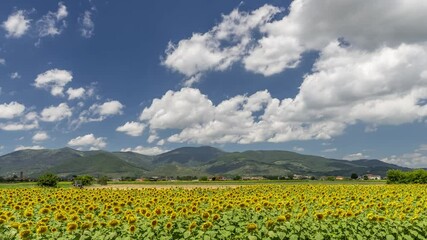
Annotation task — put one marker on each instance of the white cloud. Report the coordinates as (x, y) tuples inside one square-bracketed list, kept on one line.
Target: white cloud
[(414, 159), (178, 109), (99, 112), (144, 150), (31, 116), (35, 147), (11, 110), (328, 150), (88, 140), (16, 24), (355, 156), (15, 75), (310, 25), (219, 48), (40, 136), (2, 61), (75, 93), (54, 114), (19, 126), (87, 26), (53, 23), (298, 149), (379, 87), (108, 108), (132, 128), (55, 80)]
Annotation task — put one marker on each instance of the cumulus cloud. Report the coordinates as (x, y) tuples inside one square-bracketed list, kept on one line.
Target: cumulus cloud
[(53, 23), (384, 86), (414, 159), (40, 136), (178, 109), (88, 140), (19, 126), (35, 147), (132, 128), (355, 156), (328, 150), (219, 48), (298, 149), (55, 80), (99, 112), (17, 24), (87, 26), (145, 150), (232, 120), (54, 114), (310, 25), (15, 75), (75, 93), (108, 108), (11, 110), (2, 61)]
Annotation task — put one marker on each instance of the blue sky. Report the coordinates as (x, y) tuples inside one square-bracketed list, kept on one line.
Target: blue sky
[(341, 79)]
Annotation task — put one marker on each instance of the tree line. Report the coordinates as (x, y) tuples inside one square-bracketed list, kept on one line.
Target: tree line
[(414, 176)]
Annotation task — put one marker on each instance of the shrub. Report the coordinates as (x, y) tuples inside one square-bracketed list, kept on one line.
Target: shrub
[(48, 180), (103, 180), (204, 178), (84, 179), (415, 176)]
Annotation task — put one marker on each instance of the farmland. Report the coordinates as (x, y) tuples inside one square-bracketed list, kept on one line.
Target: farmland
[(258, 211)]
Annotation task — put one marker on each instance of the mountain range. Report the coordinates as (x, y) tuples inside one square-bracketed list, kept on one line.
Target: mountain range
[(186, 161)]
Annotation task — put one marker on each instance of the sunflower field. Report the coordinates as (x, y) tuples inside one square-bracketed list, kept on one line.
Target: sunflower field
[(246, 212)]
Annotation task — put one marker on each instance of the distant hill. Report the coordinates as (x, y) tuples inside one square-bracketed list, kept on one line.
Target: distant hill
[(99, 164), (187, 161)]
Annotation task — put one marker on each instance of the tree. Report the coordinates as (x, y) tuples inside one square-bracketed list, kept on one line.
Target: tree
[(354, 176), (85, 179), (237, 178), (103, 180), (48, 180), (203, 178)]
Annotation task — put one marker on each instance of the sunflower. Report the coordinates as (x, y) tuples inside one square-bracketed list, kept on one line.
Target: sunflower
[(113, 223), (41, 229), (251, 227), (154, 223), (216, 217), (168, 226), (192, 225), (71, 226), (25, 233), (206, 225), (132, 228)]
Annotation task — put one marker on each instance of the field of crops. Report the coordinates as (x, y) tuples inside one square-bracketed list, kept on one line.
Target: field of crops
[(247, 212)]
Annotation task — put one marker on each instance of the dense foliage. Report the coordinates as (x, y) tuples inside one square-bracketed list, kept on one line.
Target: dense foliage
[(48, 180), (249, 212), (85, 180), (415, 176)]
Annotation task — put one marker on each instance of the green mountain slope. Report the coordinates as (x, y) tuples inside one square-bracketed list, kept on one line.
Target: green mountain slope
[(34, 161), (194, 161), (188, 156), (99, 164), (136, 159)]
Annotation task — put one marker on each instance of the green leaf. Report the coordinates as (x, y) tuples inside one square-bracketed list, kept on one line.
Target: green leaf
[(318, 236), (252, 238), (390, 237), (294, 237), (187, 234)]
